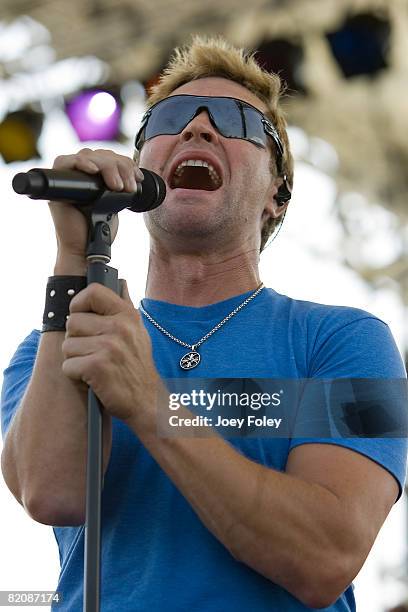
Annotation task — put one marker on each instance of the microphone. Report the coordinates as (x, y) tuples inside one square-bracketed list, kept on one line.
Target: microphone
[(82, 189)]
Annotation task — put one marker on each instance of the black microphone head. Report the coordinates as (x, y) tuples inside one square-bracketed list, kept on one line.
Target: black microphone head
[(153, 191), (20, 182), (31, 183)]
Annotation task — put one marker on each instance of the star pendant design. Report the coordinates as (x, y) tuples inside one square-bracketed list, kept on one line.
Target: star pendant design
[(190, 360)]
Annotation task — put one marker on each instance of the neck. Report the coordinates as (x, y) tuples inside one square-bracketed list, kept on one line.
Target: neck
[(200, 279)]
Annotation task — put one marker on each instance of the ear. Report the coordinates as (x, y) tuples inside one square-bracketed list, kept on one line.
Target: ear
[(272, 209)]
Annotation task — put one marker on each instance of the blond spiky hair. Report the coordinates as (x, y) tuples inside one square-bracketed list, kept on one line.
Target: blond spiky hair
[(214, 56)]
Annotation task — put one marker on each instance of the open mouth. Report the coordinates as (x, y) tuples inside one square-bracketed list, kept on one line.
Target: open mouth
[(195, 174)]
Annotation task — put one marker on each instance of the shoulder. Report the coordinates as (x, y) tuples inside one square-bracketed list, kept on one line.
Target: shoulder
[(315, 313), (28, 345), (341, 340), (16, 377), (25, 353)]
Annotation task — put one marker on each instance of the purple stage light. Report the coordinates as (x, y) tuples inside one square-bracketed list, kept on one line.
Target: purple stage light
[(94, 115)]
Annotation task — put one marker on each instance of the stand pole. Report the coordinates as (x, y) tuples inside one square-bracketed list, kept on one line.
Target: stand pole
[(98, 253)]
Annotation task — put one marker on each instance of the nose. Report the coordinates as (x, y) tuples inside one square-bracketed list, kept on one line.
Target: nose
[(200, 128)]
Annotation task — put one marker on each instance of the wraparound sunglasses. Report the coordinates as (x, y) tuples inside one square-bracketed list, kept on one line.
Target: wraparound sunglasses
[(232, 118)]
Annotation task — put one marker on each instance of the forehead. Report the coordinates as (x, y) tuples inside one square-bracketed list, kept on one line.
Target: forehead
[(218, 86)]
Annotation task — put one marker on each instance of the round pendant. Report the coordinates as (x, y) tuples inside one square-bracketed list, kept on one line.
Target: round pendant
[(190, 360)]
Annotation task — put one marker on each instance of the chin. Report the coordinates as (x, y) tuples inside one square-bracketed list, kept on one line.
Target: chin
[(185, 225)]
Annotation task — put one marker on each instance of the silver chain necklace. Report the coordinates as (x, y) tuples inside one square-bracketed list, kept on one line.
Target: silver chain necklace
[(192, 358)]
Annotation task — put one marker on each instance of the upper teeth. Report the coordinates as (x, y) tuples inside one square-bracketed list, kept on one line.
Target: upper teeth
[(198, 162)]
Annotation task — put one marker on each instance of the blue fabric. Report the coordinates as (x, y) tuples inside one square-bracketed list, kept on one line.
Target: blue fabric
[(157, 555)]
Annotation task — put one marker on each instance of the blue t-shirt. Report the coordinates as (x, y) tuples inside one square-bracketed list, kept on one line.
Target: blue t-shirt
[(156, 553)]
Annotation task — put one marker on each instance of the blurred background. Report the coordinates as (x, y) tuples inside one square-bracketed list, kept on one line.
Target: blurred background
[(74, 74)]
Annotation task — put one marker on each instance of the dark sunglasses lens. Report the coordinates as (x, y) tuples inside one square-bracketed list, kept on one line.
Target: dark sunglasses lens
[(168, 117), (254, 126), (231, 118), (235, 119), (227, 117)]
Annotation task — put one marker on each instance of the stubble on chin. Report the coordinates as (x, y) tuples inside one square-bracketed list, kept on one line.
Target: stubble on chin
[(188, 222)]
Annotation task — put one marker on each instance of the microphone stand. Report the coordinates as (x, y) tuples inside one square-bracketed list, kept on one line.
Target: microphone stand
[(42, 183), (100, 220)]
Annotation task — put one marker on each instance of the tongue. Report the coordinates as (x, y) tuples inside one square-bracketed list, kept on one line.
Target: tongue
[(194, 177)]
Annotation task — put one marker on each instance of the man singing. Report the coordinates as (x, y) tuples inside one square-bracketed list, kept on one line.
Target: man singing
[(205, 523)]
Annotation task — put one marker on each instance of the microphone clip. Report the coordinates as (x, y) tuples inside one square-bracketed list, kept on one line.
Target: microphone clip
[(100, 231), (101, 215)]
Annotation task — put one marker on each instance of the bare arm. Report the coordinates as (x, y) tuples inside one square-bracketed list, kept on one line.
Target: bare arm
[(44, 456), (308, 530)]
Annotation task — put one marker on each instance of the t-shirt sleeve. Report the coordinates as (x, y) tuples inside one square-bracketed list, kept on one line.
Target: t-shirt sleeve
[(351, 343), (16, 378)]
